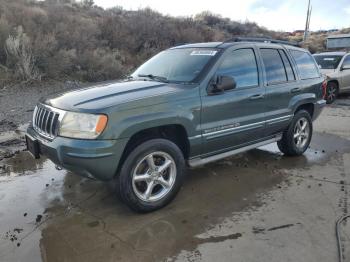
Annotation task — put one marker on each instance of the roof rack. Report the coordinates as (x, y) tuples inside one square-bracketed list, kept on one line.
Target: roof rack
[(261, 40)]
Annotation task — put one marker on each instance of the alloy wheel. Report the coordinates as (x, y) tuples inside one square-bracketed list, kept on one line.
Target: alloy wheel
[(301, 133), (331, 93), (154, 176)]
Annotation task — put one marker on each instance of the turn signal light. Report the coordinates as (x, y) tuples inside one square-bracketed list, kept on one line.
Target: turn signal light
[(324, 89)]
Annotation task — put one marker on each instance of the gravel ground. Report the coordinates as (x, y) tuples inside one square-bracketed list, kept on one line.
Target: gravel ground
[(17, 102), (16, 108)]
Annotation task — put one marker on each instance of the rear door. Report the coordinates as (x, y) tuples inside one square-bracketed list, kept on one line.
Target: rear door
[(236, 117), (280, 83), (345, 73)]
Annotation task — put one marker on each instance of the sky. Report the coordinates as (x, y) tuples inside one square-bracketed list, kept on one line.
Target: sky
[(281, 15)]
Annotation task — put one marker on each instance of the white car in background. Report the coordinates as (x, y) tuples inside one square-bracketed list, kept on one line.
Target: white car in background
[(336, 66)]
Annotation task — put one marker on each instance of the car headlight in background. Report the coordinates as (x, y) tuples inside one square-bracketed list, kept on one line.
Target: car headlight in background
[(81, 125)]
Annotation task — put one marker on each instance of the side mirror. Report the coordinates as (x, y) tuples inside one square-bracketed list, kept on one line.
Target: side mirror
[(220, 84)]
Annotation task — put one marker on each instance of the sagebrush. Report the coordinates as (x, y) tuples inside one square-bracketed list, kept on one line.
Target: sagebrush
[(62, 39)]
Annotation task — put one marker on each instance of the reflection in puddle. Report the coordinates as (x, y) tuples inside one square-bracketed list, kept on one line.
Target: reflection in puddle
[(23, 164), (70, 205)]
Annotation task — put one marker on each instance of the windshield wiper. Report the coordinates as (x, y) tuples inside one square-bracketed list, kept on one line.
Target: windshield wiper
[(154, 77)]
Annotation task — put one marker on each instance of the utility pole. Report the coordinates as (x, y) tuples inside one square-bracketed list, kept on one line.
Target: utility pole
[(308, 16)]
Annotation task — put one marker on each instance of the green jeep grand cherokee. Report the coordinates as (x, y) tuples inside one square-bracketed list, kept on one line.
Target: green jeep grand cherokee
[(191, 104)]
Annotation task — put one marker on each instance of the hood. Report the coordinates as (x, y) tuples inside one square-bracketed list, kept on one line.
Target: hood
[(102, 96), (327, 72)]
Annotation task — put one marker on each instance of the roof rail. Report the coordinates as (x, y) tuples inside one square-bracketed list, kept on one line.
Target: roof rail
[(261, 40)]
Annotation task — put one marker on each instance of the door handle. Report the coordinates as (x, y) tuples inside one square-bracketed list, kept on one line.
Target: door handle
[(258, 96), (295, 90)]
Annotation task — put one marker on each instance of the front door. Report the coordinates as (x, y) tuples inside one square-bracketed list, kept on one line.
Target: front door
[(345, 74), (236, 117)]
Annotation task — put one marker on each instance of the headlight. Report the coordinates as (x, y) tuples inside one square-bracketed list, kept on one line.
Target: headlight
[(80, 125)]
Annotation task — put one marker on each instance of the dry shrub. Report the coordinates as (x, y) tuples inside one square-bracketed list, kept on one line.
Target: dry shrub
[(20, 56), (99, 64), (5, 30), (64, 39), (61, 64), (315, 44)]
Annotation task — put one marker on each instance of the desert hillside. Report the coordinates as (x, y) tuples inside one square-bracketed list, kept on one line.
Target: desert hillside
[(65, 40)]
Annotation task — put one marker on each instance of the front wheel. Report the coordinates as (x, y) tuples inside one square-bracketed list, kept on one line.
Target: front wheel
[(151, 175), (297, 137)]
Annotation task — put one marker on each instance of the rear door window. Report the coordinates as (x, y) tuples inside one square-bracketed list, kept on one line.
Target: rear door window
[(306, 65), (274, 68)]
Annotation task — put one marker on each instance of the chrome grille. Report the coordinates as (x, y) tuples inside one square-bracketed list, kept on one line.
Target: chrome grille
[(46, 121)]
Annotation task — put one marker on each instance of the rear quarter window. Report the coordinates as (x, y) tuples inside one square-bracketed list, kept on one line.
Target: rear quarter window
[(306, 65), (287, 66)]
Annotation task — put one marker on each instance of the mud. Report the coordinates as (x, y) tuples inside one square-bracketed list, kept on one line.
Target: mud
[(12, 142), (256, 206)]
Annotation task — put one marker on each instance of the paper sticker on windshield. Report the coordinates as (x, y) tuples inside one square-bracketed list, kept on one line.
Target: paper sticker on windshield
[(204, 52), (329, 59)]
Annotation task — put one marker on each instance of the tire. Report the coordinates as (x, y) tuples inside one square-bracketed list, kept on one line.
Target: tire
[(297, 137), (146, 187), (331, 92)]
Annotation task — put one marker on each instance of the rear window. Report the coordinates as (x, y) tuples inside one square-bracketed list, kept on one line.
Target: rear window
[(274, 68), (305, 64), (328, 61)]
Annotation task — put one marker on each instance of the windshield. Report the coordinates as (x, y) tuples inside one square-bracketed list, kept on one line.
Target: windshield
[(176, 65), (328, 61)]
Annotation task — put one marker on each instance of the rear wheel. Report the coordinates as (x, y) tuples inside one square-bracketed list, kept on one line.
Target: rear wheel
[(151, 175), (296, 138), (331, 92)]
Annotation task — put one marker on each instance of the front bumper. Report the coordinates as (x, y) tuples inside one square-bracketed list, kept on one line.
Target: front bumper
[(318, 106), (97, 159)]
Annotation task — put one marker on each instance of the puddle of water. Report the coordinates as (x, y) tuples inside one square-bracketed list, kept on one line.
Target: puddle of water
[(26, 192), (311, 156), (79, 209), (84, 221), (22, 164)]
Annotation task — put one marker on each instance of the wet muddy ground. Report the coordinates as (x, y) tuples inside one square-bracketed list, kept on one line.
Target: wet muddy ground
[(256, 206)]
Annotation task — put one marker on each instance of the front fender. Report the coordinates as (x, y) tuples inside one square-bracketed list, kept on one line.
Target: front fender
[(135, 124), (126, 123)]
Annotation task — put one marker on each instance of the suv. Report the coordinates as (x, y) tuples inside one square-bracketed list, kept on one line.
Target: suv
[(190, 104), (336, 66)]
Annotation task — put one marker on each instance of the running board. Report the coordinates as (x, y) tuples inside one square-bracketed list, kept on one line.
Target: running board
[(202, 161)]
